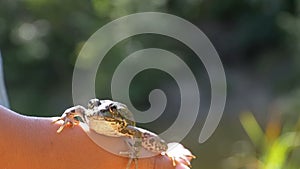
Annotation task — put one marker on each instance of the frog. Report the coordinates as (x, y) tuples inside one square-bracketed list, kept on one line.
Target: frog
[(114, 119)]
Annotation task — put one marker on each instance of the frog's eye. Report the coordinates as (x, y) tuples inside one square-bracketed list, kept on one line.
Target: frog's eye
[(114, 107), (111, 108)]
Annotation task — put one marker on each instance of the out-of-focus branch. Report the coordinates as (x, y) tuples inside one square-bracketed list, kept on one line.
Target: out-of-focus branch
[(3, 94)]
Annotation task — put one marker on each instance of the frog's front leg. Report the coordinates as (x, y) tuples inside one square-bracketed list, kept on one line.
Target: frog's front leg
[(135, 145), (68, 121), (134, 141), (68, 117)]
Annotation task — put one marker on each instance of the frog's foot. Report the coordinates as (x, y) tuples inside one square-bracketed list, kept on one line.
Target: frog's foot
[(178, 154), (68, 121), (132, 157)]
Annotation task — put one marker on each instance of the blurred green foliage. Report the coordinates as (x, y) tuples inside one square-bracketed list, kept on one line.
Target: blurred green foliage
[(275, 148), (257, 40)]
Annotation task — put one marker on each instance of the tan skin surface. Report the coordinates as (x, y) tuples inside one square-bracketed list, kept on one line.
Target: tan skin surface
[(32, 142)]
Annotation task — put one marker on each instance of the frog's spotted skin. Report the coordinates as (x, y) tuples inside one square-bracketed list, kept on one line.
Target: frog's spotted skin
[(152, 142), (113, 119)]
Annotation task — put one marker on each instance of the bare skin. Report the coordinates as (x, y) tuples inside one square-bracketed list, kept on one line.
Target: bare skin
[(32, 142)]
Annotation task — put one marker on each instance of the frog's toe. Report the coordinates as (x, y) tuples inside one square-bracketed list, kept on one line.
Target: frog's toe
[(185, 161), (180, 159), (56, 120), (130, 161), (67, 122), (132, 155)]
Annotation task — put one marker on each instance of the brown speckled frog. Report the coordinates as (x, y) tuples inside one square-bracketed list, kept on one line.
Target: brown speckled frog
[(113, 119)]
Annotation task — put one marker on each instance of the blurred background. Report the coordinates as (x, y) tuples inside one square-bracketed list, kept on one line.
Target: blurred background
[(258, 42)]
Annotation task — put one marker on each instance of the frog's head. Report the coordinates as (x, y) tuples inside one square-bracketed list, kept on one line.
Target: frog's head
[(104, 107), (114, 109)]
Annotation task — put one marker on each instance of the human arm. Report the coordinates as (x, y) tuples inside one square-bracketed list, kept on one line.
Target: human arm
[(32, 142)]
